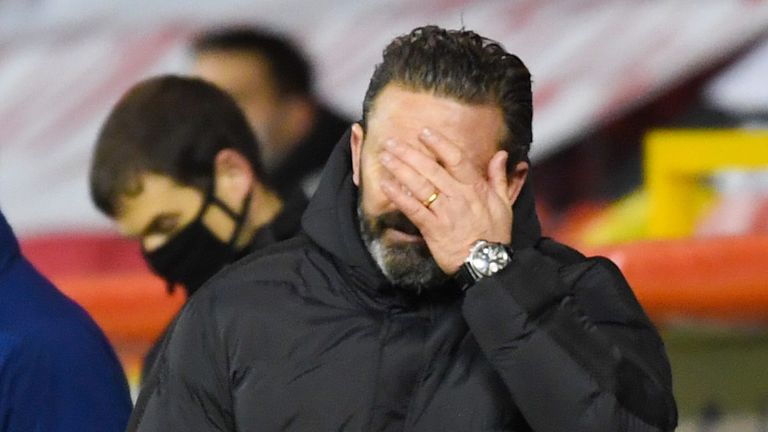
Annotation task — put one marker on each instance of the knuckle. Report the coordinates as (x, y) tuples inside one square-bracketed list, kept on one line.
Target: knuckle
[(453, 157), (409, 154), (428, 187), (433, 170)]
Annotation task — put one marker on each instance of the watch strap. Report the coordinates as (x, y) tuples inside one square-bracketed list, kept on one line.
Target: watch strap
[(466, 276)]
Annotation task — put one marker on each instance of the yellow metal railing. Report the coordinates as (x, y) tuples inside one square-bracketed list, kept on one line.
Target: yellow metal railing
[(677, 163)]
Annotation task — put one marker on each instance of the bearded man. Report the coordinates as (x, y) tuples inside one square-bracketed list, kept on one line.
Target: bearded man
[(421, 295)]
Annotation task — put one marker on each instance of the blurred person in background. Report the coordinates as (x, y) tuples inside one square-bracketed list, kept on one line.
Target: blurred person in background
[(176, 166), (420, 295), (58, 372), (272, 80)]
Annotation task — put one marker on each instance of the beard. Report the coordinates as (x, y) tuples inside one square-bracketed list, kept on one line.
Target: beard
[(407, 265)]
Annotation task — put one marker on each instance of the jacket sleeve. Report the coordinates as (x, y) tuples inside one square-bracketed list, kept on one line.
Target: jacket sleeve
[(573, 346), (188, 386), (70, 381)]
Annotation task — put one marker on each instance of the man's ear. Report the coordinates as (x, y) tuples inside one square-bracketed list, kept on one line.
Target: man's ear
[(356, 145), (234, 176), (516, 180)]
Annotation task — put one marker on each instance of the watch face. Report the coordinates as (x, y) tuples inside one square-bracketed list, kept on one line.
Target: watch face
[(488, 258)]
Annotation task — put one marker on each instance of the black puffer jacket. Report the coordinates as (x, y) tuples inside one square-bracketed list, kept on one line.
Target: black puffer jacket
[(309, 336)]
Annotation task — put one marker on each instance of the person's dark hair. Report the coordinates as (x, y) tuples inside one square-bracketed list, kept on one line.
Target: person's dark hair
[(289, 67), (167, 125), (463, 65)]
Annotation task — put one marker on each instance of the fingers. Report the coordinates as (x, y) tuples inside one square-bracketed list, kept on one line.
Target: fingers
[(497, 174), (411, 206), (451, 156), (417, 171)]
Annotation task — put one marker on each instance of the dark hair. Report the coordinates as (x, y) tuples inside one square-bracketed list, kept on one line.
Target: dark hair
[(463, 65), (289, 67), (167, 125)]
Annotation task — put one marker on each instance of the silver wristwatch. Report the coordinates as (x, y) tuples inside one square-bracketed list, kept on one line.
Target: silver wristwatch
[(485, 259)]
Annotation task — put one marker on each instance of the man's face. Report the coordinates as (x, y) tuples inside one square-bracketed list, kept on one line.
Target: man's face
[(162, 208), (402, 114), (248, 79)]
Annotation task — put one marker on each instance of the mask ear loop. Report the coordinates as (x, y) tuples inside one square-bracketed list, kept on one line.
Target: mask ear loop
[(238, 218)]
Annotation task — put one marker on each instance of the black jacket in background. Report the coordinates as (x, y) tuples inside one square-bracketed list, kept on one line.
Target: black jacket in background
[(308, 336)]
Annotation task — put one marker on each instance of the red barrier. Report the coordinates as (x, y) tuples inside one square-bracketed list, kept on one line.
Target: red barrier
[(108, 277), (716, 278), (722, 278), (130, 308)]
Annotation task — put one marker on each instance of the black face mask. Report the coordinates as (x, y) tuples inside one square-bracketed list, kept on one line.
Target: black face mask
[(194, 254)]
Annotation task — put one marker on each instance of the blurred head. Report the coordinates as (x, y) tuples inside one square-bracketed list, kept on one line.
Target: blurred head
[(453, 81), (176, 166), (270, 79)]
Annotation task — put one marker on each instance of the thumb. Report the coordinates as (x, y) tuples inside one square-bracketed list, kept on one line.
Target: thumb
[(497, 173)]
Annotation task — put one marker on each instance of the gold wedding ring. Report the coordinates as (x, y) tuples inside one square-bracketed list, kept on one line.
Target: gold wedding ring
[(431, 199)]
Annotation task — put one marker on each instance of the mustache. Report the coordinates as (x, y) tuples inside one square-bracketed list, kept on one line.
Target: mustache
[(395, 220)]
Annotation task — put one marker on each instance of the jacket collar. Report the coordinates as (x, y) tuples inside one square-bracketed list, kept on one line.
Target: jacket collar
[(331, 220), (9, 247)]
